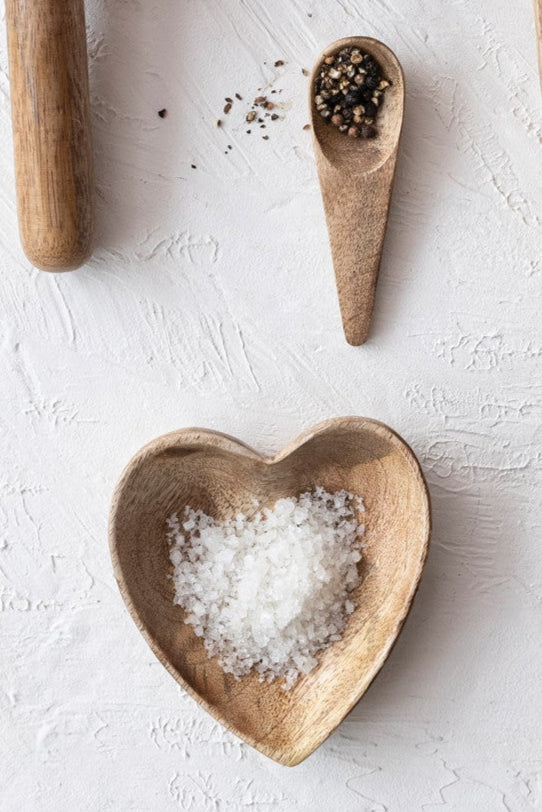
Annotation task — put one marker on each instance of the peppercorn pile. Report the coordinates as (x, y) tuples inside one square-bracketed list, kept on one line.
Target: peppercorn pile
[(349, 90)]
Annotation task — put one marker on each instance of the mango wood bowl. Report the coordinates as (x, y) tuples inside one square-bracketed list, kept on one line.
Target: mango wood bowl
[(223, 476)]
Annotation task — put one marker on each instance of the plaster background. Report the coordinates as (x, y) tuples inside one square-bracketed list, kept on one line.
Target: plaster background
[(210, 301)]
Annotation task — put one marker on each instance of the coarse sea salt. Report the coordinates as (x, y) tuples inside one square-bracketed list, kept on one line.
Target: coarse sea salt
[(270, 590)]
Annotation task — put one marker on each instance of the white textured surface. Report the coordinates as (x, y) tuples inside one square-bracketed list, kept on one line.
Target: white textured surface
[(211, 301)]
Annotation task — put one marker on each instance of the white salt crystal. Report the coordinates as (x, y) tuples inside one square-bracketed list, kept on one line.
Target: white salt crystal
[(270, 591)]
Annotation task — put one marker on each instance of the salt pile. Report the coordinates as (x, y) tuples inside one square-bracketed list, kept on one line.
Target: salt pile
[(271, 590)]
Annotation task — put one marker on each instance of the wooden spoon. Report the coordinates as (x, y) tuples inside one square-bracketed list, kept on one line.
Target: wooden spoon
[(222, 476), (51, 131), (356, 178)]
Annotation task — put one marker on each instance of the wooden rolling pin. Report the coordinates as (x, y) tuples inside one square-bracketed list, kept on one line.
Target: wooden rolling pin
[(51, 131)]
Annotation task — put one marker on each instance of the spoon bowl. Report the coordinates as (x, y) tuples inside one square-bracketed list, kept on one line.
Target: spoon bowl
[(356, 178), (222, 476)]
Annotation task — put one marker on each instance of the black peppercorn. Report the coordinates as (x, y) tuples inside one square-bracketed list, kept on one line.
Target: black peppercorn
[(352, 98), (368, 131), (344, 91)]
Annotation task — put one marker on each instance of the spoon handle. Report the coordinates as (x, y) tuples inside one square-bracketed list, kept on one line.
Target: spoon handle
[(356, 212), (51, 131)]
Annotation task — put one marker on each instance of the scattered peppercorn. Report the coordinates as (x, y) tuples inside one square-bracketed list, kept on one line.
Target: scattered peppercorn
[(304, 71), (162, 113), (261, 108), (348, 91), (193, 166), (279, 63), (307, 127)]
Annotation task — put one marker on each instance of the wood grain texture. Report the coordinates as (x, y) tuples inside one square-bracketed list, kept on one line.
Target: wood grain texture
[(356, 179), (51, 131), (221, 476), (538, 25)]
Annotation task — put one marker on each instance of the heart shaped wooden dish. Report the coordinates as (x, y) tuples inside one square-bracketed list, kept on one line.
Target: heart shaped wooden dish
[(222, 476)]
